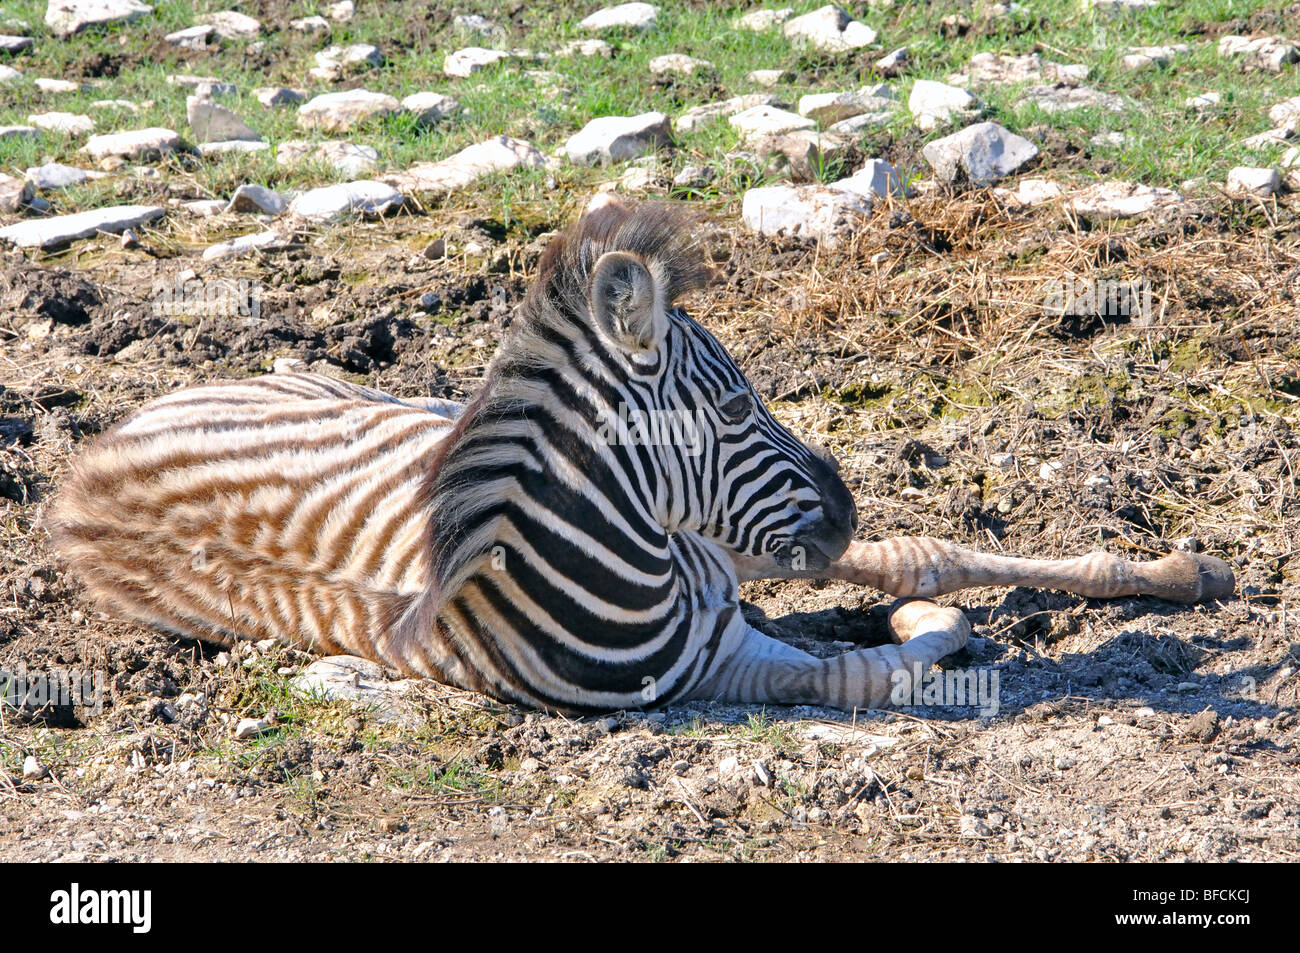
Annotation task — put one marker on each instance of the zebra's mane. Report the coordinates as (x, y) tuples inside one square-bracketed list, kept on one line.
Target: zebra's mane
[(664, 238)]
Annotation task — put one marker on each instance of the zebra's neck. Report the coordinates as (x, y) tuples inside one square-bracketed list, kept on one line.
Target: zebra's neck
[(553, 560)]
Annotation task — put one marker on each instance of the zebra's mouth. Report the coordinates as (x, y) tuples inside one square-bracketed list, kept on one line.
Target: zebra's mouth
[(800, 554)]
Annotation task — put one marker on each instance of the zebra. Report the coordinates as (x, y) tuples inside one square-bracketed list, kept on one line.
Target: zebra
[(531, 545)]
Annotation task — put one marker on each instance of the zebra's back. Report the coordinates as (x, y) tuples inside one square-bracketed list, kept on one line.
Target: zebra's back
[(288, 507)]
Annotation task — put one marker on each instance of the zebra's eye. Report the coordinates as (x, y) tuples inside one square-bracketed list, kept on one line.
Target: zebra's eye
[(736, 408)]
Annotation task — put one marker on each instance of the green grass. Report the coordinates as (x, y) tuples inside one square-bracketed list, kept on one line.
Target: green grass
[(1165, 143)]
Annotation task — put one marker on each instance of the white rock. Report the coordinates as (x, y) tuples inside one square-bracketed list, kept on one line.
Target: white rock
[(336, 61), (769, 77), (66, 17), (471, 60), (894, 62), (33, 770), (759, 122), (242, 245), (1290, 165), (625, 16), (1062, 98), (192, 38), (876, 179), (856, 124), (802, 155), (8, 74), (808, 212), (70, 124), (1120, 6), (14, 193), (1032, 192), (233, 25), (1245, 180), (1269, 139), (474, 23), (980, 154), (761, 20), (342, 12), (1110, 140), (615, 138), (585, 48), (347, 157), (1204, 102), (206, 208), (671, 63), (1284, 113), (1142, 57), (363, 682), (53, 175), (228, 146), (211, 122), (117, 104), (934, 103), (61, 229), (830, 30), (826, 108), (15, 44), (16, 132), (316, 24), (1266, 52), (271, 96), (992, 69), (256, 198), (136, 144), (499, 154), (251, 727), (430, 108), (339, 112), (1107, 200), (48, 85), (365, 197), (699, 116)]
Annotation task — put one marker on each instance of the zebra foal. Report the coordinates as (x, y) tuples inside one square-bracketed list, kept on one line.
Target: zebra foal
[(573, 539)]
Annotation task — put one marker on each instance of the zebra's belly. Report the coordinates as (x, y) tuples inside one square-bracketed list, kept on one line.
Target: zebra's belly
[(286, 507)]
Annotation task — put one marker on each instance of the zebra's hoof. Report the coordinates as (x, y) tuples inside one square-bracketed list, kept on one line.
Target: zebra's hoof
[(1191, 577)]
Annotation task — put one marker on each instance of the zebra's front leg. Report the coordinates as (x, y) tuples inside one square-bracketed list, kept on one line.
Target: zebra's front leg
[(761, 670)]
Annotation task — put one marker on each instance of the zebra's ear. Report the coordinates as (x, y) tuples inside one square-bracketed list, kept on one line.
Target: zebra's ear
[(625, 302)]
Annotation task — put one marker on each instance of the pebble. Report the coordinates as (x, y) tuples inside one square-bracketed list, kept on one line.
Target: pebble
[(1245, 180), (757, 21), (138, 144), (339, 112), (1118, 199), (314, 24), (271, 96), (61, 229), (465, 63), (769, 77), (934, 103), (33, 770), (680, 64), (499, 154), (366, 198), (616, 138), (256, 198), (808, 212), (830, 30), (212, 122), (430, 108), (624, 16), (760, 122), (250, 727), (979, 154), (68, 17)]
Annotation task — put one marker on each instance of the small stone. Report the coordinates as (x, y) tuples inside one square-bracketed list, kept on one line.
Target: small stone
[(364, 198), (761, 122), (979, 154), (1105, 721), (14, 193), (471, 60), (342, 11), (1064, 98), (243, 146), (337, 61), (801, 155), (1144, 712), (585, 48), (893, 63), (8, 74), (1118, 199), (769, 77), (694, 177), (256, 198), (138, 144), (211, 122), (314, 24), (728, 766), (241, 245), (271, 96), (876, 179), (808, 212), (234, 25), (33, 770), (624, 16), (679, 63), (207, 86), (698, 116), (1268, 53), (68, 17), (499, 154), (974, 827), (61, 229), (827, 108), (758, 21), (615, 138), (347, 157), (430, 108), (1244, 180), (1143, 57), (251, 727), (192, 38), (934, 103), (47, 85), (15, 44), (1064, 763), (70, 124), (53, 175), (830, 30), (339, 112)]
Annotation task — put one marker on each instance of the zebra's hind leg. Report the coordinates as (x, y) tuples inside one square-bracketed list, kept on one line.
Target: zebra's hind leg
[(762, 670)]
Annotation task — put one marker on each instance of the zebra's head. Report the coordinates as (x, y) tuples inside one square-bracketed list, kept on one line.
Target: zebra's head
[(675, 408)]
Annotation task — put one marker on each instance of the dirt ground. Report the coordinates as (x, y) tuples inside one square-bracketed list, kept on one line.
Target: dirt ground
[(959, 405)]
